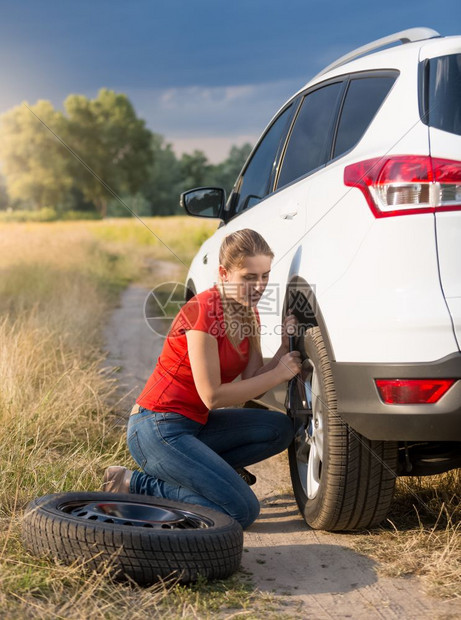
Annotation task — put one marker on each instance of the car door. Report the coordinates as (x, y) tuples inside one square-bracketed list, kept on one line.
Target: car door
[(252, 188), (282, 218), (277, 219)]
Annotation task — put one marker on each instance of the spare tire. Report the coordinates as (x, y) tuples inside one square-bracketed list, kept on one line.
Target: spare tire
[(140, 537)]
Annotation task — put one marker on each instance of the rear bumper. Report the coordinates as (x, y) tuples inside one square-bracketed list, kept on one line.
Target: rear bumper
[(359, 403)]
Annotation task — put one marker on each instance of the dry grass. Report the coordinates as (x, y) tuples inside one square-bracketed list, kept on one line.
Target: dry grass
[(55, 291), (58, 281), (422, 535), (161, 234)]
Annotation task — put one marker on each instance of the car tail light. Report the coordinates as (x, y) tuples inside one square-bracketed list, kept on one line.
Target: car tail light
[(407, 184), (412, 391)]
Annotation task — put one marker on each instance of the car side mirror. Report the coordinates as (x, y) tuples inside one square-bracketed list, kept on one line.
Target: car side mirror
[(204, 201)]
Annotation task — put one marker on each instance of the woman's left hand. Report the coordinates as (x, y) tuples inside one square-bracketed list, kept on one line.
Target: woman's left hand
[(290, 319)]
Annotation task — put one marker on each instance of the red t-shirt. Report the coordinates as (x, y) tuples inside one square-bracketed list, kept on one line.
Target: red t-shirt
[(171, 385)]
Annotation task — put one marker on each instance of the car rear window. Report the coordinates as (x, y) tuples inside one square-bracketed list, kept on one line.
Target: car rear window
[(310, 141), (443, 103), (363, 99)]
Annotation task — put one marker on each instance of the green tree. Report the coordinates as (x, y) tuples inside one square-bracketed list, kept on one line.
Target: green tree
[(35, 163), (195, 170), (225, 173), (113, 144), (4, 198), (163, 187)]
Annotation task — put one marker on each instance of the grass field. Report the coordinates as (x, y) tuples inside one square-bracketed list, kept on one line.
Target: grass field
[(58, 282), (422, 535)]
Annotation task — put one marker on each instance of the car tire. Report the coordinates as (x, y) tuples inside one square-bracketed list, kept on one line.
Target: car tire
[(341, 480), (139, 537)]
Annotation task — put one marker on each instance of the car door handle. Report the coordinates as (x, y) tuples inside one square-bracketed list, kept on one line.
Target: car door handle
[(205, 259), (288, 215)]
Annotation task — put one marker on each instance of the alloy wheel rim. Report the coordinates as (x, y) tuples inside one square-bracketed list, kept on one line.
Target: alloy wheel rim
[(309, 438)]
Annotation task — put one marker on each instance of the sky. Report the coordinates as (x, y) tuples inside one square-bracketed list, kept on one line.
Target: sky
[(205, 74)]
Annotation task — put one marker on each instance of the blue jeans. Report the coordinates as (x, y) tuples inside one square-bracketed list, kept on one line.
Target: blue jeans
[(187, 461)]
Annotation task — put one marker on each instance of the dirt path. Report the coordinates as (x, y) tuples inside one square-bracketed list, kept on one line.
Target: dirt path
[(311, 574)]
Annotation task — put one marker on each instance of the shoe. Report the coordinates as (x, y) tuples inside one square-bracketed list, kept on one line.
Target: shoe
[(117, 479), (249, 478)]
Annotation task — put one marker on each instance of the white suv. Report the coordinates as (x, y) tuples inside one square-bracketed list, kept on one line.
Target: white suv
[(356, 186)]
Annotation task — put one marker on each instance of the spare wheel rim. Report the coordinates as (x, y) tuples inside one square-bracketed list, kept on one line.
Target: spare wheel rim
[(135, 514)]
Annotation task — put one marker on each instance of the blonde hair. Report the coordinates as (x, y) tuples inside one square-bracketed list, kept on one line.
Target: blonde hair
[(235, 247)]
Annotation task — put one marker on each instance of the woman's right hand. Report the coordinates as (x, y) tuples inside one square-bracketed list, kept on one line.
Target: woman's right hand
[(289, 365)]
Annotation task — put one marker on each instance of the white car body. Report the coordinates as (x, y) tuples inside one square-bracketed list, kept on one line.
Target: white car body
[(385, 291)]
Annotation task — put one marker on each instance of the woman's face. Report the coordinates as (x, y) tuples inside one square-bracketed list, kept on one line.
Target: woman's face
[(247, 284)]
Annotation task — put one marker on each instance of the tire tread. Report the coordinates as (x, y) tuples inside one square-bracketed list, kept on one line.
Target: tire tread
[(358, 479), (144, 556)]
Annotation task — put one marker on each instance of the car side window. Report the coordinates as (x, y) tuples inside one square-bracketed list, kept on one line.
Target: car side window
[(310, 141), (255, 183), (363, 98), (444, 93)]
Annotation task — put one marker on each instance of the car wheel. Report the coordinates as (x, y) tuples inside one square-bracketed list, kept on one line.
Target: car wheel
[(341, 480), (140, 537)]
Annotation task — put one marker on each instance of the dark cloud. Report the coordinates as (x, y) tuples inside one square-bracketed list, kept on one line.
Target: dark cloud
[(186, 64)]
